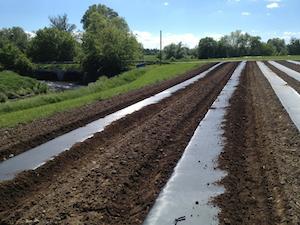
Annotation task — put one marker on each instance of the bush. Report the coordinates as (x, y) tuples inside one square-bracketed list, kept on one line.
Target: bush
[(51, 44), (11, 58), (3, 97), (15, 86), (108, 46)]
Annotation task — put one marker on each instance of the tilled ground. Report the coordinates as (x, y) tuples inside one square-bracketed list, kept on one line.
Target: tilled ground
[(114, 177), (26, 136), (261, 156), (292, 66), (290, 80)]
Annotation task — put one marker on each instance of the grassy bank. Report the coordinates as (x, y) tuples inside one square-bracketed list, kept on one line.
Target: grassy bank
[(22, 111), (13, 86)]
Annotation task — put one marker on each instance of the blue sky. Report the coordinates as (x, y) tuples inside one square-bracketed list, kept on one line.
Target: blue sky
[(180, 20)]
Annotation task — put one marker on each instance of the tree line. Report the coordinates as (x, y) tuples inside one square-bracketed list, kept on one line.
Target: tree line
[(105, 47), (236, 44)]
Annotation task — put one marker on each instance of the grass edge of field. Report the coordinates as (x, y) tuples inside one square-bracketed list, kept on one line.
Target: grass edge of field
[(15, 85), (14, 118)]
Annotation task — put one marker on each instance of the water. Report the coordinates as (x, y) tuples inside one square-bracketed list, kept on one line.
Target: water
[(192, 184), (61, 86), (37, 156)]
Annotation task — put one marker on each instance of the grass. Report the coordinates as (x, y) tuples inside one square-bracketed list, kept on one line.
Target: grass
[(26, 110), (151, 58), (54, 66), (13, 86)]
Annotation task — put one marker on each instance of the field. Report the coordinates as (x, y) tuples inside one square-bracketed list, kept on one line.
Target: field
[(14, 86), (116, 175)]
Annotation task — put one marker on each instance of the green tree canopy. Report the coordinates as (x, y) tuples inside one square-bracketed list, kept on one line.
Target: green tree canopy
[(15, 35), (294, 47), (279, 46), (238, 44), (176, 51), (51, 44), (107, 14), (108, 45), (12, 58), (207, 48), (61, 22)]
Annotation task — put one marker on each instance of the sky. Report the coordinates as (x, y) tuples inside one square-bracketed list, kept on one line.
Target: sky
[(179, 20)]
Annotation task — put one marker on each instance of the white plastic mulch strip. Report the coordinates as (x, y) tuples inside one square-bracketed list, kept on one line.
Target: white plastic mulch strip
[(186, 197), (292, 73), (295, 62), (37, 156), (289, 98)]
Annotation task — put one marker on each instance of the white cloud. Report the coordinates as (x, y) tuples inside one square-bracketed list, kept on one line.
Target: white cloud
[(245, 13), (287, 35), (273, 5), (30, 34), (150, 40), (166, 3)]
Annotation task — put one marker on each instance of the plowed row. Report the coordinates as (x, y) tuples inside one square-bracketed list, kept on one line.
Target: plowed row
[(115, 177)]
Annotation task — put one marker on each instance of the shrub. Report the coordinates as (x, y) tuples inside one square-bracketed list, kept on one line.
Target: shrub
[(11, 58), (51, 44), (3, 97)]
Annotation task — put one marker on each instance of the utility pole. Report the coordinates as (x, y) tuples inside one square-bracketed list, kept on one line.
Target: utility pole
[(160, 47)]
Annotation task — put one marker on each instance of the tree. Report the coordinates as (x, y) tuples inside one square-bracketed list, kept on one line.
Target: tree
[(238, 44), (51, 44), (278, 45), (61, 23), (12, 58), (207, 48), (294, 47), (108, 47), (176, 51), (255, 46), (15, 35), (107, 14), (267, 50)]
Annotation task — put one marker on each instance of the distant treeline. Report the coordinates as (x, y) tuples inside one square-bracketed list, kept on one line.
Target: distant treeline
[(105, 47), (236, 44)]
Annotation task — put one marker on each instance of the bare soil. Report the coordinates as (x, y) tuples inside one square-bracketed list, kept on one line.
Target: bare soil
[(26, 136), (261, 156), (114, 177), (290, 65)]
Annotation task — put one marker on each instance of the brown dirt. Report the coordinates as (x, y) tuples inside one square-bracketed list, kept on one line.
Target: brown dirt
[(290, 65), (26, 136), (261, 156), (114, 177), (291, 81)]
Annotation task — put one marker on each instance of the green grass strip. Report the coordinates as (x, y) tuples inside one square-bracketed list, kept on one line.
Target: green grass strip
[(23, 111)]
